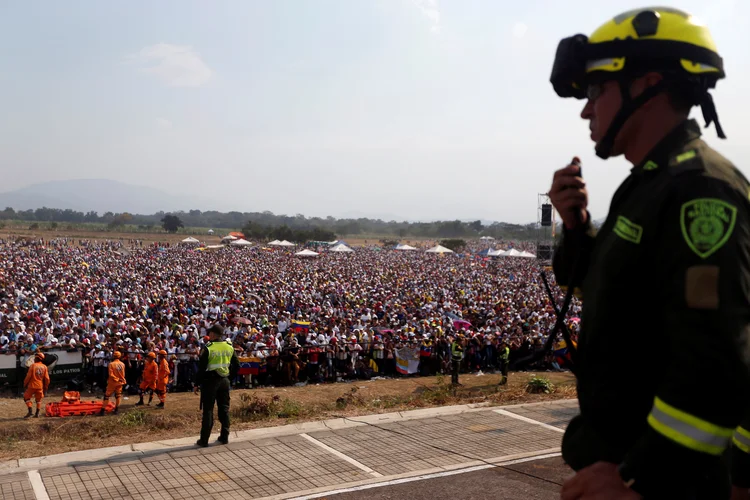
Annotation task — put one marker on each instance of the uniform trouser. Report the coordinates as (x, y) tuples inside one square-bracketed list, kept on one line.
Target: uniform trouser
[(215, 391), (36, 394), (455, 365), (503, 366)]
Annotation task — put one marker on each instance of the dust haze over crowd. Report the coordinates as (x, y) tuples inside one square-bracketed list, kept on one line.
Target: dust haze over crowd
[(398, 109)]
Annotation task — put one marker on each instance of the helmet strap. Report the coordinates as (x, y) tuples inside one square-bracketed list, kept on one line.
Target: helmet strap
[(708, 109), (629, 106)]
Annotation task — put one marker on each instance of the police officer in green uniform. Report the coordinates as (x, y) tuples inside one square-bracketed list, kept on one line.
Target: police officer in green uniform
[(503, 357), (217, 365), (668, 272), (457, 355)]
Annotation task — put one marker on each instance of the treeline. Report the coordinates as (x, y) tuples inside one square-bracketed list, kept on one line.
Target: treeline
[(281, 224)]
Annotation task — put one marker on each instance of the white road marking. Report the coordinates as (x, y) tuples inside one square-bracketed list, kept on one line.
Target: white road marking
[(529, 420), (40, 492), (423, 477), (349, 459)]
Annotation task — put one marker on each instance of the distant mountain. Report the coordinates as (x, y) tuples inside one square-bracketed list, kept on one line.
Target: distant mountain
[(99, 195)]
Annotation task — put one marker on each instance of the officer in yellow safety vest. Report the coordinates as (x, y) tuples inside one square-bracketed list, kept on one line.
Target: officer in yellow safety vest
[(217, 365), (457, 354), (503, 359)]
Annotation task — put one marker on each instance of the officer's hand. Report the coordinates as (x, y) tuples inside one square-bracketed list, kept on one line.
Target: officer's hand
[(600, 481), (568, 195)]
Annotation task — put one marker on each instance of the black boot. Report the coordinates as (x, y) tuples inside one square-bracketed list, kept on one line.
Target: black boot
[(28, 415), (117, 410), (140, 403), (36, 415), (202, 444), (223, 438), (160, 405)]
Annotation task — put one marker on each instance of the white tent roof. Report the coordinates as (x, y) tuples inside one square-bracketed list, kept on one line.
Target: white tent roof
[(495, 253), (510, 253), (228, 237), (285, 244), (404, 247), (527, 255), (307, 253), (274, 243), (439, 249), (341, 248), (486, 238), (240, 243), (190, 239)]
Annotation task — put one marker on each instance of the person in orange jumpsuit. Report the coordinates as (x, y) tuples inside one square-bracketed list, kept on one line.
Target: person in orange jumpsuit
[(162, 379), (115, 382), (36, 384), (148, 379)]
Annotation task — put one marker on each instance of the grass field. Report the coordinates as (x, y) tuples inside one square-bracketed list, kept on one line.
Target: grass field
[(21, 438)]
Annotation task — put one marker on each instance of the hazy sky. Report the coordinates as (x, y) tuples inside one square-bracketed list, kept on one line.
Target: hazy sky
[(419, 109)]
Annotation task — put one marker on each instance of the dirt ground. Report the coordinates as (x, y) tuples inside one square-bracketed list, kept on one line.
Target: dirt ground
[(214, 239), (266, 407)]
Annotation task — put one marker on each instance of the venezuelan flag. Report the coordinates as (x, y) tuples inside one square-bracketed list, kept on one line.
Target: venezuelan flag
[(250, 366), (300, 326)]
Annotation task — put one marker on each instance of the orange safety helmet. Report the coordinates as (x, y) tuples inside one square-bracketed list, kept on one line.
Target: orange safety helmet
[(151, 355), (39, 356), (163, 352), (117, 355)]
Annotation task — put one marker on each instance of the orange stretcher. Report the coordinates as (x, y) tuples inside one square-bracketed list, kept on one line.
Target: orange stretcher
[(71, 405)]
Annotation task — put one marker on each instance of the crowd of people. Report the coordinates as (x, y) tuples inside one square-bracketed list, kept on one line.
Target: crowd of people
[(290, 319)]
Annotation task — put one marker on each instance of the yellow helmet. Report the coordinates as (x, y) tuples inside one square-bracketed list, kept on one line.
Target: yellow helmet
[(660, 39)]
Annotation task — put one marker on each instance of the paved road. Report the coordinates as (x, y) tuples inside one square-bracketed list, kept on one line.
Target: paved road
[(533, 480), (452, 452)]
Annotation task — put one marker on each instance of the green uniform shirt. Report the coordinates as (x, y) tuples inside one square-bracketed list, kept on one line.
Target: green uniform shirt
[(662, 381)]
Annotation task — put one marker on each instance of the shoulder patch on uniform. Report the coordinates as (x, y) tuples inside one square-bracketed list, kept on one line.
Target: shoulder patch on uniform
[(686, 161), (707, 224)]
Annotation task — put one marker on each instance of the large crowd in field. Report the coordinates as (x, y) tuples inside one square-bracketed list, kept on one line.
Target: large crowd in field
[(290, 319)]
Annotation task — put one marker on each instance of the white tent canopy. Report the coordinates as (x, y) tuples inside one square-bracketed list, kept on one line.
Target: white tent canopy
[(285, 244), (190, 239), (341, 248), (527, 255), (274, 243), (228, 237), (486, 238), (439, 249), (404, 247), (307, 253), (511, 253), (240, 243)]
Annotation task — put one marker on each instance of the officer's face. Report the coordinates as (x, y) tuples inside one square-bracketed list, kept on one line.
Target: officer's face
[(603, 103)]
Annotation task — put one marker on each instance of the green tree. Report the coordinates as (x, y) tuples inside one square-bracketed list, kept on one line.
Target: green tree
[(171, 223)]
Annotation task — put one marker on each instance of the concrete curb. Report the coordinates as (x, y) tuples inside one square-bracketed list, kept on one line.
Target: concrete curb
[(137, 450)]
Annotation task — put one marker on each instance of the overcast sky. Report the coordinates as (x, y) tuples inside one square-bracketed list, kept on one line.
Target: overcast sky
[(414, 109)]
